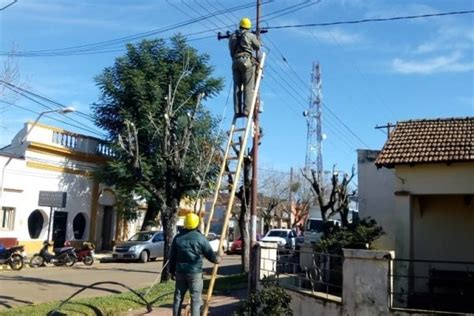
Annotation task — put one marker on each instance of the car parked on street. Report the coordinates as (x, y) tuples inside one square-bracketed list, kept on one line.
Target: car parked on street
[(214, 241), (285, 238), (142, 246)]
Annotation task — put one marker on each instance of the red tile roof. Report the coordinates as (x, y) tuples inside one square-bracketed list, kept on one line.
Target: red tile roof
[(429, 141)]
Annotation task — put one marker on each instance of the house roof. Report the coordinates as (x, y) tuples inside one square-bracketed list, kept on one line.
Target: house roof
[(429, 141)]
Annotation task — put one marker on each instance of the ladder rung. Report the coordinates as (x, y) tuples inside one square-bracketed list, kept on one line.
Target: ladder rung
[(239, 130), (233, 158), (230, 172)]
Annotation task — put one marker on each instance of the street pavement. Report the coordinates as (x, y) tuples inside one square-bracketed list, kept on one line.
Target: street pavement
[(36, 285), (221, 305)]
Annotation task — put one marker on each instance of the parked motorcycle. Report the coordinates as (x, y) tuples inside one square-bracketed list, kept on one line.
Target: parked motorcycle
[(12, 256), (85, 254), (61, 256)]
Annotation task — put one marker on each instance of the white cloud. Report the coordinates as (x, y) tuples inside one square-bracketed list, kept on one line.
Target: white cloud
[(447, 63), (333, 36), (448, 38), (338, 36)]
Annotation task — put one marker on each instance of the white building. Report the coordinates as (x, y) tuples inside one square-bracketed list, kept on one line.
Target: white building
[(52, 159)]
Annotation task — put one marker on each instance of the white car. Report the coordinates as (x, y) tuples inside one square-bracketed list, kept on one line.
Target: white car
[(285, 238)]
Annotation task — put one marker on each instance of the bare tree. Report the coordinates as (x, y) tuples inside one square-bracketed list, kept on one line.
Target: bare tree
[(337, 199), (299, 213), (10, 77), (274, 196)]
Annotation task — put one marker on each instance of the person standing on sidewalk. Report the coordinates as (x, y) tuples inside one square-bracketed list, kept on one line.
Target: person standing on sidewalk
[(185, 264), (242, 44)]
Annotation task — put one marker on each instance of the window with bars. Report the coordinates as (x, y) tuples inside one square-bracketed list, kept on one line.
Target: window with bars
[(7, 218)]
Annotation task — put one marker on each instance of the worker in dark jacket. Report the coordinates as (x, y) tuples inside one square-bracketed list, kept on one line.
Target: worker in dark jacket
[(242, 44), (185, 264)]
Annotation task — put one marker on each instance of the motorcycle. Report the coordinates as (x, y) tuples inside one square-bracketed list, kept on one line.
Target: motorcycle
[(12, 256), (61, 256), (85, 254)]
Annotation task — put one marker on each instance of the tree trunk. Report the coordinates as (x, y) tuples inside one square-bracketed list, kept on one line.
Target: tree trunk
[(152, 211), (244, 195), (245, 235), (169, 217)]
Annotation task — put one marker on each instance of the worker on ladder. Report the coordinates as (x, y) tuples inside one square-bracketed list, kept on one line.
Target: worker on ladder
[(242, 44), (185, 264)]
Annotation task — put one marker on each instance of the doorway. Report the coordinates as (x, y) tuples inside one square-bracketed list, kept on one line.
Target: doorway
[(107, 228), (59, 228)]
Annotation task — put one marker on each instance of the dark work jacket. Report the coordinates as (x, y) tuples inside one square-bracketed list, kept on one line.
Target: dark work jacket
[(186, 252), (243, 43)]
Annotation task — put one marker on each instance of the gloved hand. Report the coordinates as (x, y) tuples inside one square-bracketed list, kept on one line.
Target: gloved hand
[(218, 260)]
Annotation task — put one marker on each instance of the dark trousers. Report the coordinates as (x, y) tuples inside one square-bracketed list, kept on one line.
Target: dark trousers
[(243, 73), (185, 282)]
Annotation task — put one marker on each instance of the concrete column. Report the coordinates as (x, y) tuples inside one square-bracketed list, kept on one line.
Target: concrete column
[(366, 282), (268, 259)]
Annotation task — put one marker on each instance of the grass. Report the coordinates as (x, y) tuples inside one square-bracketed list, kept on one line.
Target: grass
[(117, 303)]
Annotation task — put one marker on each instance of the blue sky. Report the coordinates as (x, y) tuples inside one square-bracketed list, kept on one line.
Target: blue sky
[(372, 73)]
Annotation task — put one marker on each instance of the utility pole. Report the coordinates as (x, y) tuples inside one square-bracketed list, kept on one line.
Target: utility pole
[(314, 152), (291, 196), (388, 127), (253, 208)]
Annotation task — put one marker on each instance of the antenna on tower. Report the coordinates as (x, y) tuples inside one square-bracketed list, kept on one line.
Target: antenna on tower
[(314, 152)]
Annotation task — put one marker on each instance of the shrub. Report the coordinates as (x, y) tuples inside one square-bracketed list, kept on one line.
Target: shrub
[(272, 300), (358, 235)]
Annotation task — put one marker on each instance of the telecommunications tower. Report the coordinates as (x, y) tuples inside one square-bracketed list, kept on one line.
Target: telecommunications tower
[(314, 153)]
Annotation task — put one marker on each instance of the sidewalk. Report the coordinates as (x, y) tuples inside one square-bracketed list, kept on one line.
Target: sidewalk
[(222, 304)]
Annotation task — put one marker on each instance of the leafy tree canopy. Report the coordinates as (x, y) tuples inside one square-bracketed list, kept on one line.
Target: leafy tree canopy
[(161, 136)]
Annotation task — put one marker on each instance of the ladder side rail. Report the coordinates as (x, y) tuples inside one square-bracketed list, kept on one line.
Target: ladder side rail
[(234, 187), (219, 179)]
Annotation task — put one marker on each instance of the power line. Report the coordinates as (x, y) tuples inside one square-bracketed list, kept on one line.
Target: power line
[(406, 17), (26, 94), (48, 116), (8, 5), (121, 40)]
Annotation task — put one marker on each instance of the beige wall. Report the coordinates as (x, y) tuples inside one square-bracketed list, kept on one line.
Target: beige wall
[(390, 197), (457, 178), (443, 227), (376, 198)]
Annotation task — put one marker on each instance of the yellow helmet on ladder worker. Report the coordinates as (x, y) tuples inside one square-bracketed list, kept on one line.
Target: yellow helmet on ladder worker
[(245, 23)]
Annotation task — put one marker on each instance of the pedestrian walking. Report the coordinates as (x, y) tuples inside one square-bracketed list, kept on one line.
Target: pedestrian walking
[(242, 44), (185, 264)]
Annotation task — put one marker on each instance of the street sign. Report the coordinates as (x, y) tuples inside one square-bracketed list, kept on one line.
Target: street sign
[(52, 199)]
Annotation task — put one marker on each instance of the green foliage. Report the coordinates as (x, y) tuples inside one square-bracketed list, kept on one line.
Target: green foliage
[(159, 133), (358, 235), (272, 300)]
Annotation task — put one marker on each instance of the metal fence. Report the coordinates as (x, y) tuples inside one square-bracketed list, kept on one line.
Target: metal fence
[(433, 285), (310, 272)]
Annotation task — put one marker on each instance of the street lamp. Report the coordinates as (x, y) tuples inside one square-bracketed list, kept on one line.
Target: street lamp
[(63, 110)]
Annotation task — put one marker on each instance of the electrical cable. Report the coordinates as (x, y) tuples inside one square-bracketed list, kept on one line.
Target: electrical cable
[(26, 94), (406, 17), (102, 44)]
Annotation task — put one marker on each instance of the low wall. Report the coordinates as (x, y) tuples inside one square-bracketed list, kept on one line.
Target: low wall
[(366, 284)]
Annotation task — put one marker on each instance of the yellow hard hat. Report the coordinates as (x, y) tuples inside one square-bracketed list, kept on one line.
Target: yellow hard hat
[(245, 23), (191, 221)]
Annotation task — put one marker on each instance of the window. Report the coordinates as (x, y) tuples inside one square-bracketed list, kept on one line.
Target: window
[(7, 218), (35, 224), (79, 225)]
